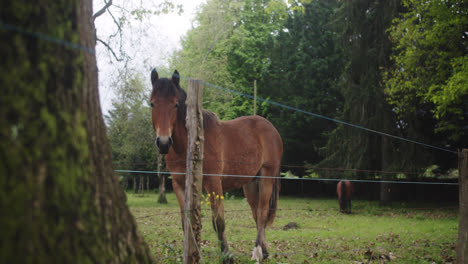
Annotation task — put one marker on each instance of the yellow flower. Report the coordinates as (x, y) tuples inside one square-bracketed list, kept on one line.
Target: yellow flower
[(222, 197), (208, 203), (209, 195), (217, 196), (203, 196)]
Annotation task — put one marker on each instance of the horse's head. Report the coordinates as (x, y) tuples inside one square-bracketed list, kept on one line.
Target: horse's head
[(167, 99)]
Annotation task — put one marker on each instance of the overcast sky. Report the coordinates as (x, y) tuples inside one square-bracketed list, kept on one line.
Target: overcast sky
[(149, 43)]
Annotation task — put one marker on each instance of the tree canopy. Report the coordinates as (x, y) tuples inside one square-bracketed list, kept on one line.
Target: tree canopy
[(431, 65)]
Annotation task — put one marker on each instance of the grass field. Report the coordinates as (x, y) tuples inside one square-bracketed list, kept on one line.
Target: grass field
[(399, 233)]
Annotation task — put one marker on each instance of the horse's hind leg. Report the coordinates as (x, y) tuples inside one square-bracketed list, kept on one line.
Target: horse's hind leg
[(265, 190), (251, 193)]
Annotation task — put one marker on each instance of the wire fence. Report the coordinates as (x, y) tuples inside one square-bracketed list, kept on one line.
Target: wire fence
[(309, 167), (288, 178)]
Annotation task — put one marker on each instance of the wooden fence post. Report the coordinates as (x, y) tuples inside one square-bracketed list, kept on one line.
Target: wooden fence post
[(462, 247), (194, 177), (255, 97), (162, 183)]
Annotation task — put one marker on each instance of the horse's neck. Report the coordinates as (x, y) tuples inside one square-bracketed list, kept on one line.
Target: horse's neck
[(180, 137), (180, 132)]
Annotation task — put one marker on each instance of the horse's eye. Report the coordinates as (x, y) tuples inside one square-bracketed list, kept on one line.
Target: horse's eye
[(152, 105), (176, 105)]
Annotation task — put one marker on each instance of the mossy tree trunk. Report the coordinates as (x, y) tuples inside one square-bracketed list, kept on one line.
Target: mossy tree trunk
[(60, 200)]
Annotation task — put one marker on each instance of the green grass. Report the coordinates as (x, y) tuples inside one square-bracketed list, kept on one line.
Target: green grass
[(399, 233)]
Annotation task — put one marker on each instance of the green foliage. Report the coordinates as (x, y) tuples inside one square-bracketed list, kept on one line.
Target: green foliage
[(431, 65), (288, 174), (203, 54), (430, 171), (228, 48), (305, 64)]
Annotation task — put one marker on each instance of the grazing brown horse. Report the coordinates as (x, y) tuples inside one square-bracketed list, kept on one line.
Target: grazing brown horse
[(344, 189), (248, 145)]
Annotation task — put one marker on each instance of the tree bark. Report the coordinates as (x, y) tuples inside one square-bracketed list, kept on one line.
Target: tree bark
[(60, 199), (462, 246), (385, 188), (147, 182), (140, 185), (194, 176), (134, 184)]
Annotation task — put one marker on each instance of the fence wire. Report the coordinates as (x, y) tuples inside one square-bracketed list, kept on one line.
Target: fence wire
[(289, 178)]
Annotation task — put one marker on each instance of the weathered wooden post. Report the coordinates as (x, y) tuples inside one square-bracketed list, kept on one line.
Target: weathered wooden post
[(462, 247), (162, 183), (194, 177), (255, 97)]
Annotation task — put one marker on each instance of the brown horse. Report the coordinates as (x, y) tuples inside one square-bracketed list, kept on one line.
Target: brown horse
[(344, 189), (247, 145)]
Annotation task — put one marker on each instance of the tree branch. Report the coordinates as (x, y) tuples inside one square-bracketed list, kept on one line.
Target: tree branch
[(110, 49), (100, 12), (119, 30)]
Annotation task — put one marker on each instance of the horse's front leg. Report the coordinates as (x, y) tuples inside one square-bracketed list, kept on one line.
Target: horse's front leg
[(179, 191), (217, 208)]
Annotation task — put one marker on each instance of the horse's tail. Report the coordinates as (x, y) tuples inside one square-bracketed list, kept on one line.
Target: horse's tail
[(274, 200)]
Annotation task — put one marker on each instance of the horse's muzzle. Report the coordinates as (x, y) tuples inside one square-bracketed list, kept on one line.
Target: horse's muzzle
[(163, 144)]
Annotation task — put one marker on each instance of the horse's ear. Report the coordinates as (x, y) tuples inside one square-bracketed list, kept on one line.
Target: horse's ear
[(176, 77), (154, 76)]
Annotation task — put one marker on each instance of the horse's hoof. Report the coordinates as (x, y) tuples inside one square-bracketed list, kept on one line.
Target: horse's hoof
[(257, 254)]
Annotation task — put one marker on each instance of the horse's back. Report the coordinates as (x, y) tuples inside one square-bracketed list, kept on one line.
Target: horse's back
[(243, 146), (256, 131)]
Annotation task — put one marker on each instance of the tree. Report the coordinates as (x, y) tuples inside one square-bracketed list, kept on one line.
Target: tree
[(305, 64), (367, 49), (130, 129), (61, 200), (248, 54), (429, 76), (204, 48)]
